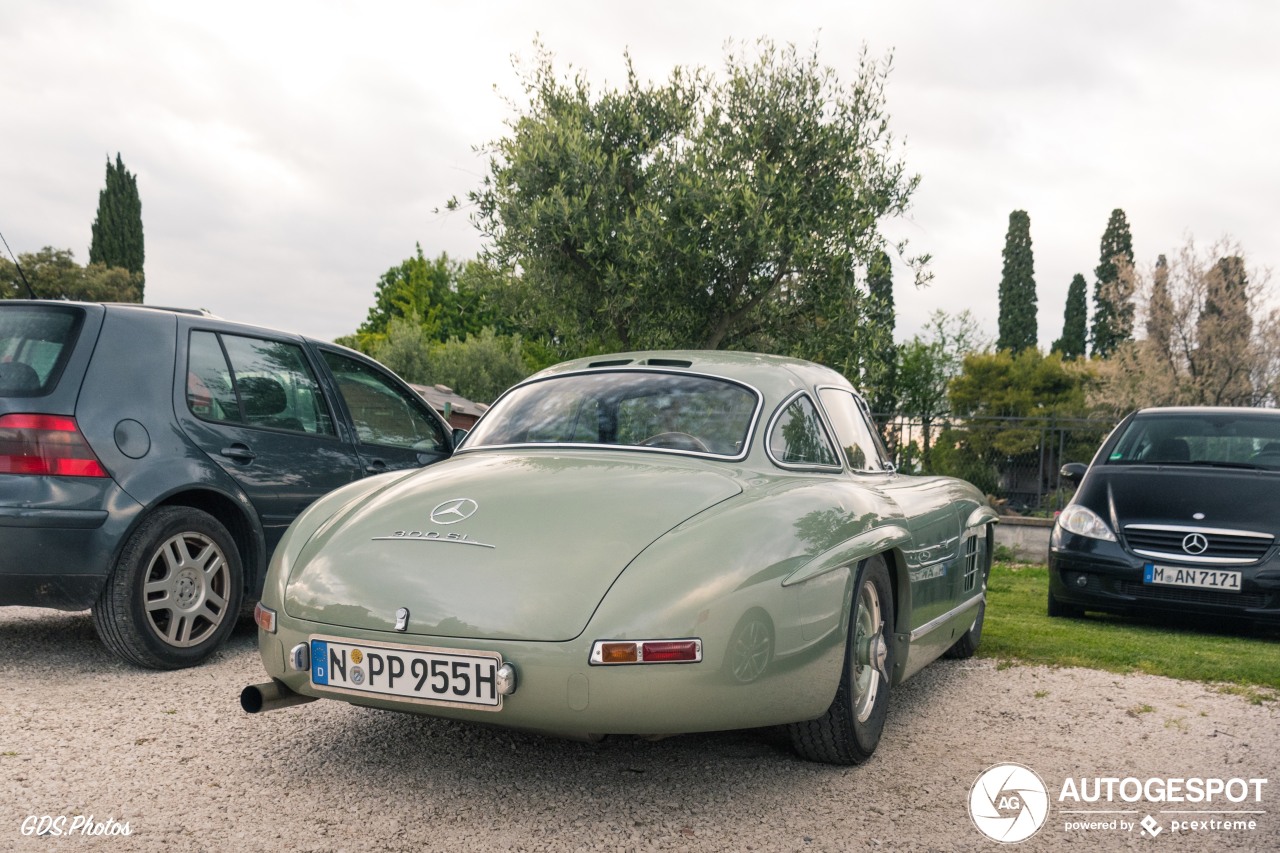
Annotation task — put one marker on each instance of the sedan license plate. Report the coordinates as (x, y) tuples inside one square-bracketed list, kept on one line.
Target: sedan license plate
[(431, 676), (1198, 578)]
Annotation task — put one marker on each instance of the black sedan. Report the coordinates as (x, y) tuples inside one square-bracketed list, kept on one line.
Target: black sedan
[(1178, 512)]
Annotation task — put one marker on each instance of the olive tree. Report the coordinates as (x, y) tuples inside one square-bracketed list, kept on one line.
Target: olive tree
[(732, 211)]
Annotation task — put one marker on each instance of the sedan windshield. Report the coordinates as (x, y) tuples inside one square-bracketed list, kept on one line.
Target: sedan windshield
[(1228, 439), (632, 408)]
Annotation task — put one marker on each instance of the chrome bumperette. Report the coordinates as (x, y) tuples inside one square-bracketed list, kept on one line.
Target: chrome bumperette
[(505, 680), (300, 657)]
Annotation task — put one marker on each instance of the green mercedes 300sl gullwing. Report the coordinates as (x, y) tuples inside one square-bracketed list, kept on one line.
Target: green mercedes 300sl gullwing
[(644, 543)]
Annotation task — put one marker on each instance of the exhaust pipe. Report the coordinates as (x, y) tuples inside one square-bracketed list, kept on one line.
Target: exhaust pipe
[(270, 696)]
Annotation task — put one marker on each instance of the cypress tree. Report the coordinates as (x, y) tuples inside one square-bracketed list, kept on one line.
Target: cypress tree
[(1223, 331), (1074, 320), (1112, 300), (1018, 287), (117, 229), (1160, 312), (882, 367)]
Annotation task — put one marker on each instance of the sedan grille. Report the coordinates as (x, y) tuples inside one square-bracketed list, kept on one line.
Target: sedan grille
[(1211, 546)]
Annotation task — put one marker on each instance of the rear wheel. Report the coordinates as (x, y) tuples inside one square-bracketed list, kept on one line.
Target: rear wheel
[(850, 729), (174, 594)]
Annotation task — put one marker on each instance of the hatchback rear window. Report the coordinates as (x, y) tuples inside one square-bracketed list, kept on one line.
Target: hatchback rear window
[(35, 343)]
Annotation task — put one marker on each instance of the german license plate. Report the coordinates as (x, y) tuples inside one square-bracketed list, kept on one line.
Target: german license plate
[(428, 675), (1198, 578)]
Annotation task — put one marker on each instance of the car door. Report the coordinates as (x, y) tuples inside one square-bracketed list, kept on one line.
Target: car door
[(255, 406), (925, 502), (394, 427)]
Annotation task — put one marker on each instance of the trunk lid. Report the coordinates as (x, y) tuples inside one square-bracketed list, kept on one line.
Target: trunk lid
[(498, 545)]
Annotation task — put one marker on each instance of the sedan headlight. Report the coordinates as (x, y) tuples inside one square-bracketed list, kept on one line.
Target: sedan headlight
[(1083, 521)]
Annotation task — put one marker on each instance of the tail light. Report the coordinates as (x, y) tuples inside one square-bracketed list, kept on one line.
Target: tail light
[(45, 444), (610, 652)]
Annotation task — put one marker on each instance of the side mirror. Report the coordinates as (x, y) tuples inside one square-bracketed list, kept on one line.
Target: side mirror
[(1073, 472), (458, 434)]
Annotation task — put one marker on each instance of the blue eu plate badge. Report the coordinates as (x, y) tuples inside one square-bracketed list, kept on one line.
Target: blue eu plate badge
[(319, 662)]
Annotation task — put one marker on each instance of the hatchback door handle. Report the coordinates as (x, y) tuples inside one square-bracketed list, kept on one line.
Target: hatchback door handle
[(239, 453)]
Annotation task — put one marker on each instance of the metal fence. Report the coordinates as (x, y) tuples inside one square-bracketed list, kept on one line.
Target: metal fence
[(1016, 461)]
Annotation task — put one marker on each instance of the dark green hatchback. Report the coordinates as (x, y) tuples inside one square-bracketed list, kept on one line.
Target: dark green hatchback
[(151, 459)]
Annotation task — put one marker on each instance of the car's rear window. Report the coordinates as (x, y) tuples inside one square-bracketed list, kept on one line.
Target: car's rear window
[(1243, 439), (631, 408), (35, 343)]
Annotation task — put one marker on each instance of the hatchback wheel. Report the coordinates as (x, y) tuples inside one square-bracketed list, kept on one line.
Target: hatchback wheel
[(174, 594)]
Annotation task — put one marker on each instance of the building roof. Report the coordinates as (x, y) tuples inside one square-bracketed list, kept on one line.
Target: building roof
[(444, 400)]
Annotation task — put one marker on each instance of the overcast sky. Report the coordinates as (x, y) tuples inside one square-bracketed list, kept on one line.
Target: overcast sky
[(287, 154)]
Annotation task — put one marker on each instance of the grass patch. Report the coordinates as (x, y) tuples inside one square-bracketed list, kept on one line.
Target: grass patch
[(1017, 629)]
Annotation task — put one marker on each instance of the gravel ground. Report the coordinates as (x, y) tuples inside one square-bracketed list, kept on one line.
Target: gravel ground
[(173, 755)]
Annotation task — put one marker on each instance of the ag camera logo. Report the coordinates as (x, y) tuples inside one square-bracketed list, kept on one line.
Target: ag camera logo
[(1008, 803)]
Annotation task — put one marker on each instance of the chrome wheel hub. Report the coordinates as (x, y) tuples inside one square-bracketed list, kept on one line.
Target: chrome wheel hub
[(186, 589), (870, 652)]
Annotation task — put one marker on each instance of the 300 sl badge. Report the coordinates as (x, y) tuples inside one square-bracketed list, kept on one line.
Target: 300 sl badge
[(433, 536)]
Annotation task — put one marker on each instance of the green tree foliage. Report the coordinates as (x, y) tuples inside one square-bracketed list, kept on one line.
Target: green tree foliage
[(446, 298), (480, 367), (718, 212), (1017, 287), (1001, 402), (54, 274), (1113, 288), (926, 366), (117, 229), (405, 347), (1075, 321), (879, 380)]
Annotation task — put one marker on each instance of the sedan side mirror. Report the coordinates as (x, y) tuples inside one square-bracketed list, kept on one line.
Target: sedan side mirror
[(1073, 472), (458, 434)]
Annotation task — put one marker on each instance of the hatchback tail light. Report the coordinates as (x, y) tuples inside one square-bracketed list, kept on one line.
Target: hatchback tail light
[(45, 444)]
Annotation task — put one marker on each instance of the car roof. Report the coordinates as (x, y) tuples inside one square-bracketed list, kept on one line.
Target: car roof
[(139, 309), (1207, 410), (775, 375)]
